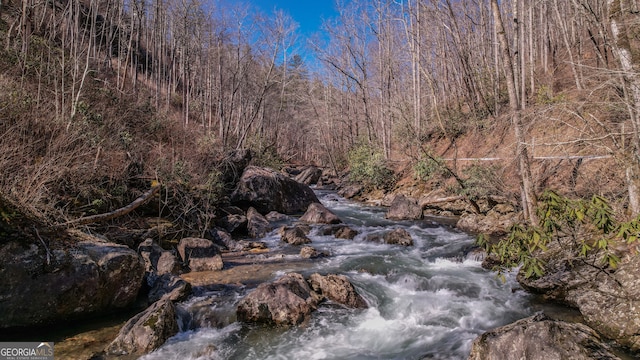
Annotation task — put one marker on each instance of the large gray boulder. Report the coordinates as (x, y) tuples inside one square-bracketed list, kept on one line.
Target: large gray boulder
[(146, 331), (286, 301), (540, 338), (157, 261), (404, 208), (200, 254), (319, 214), (267, 190), (337, 288), (90, 277), (608, 299)]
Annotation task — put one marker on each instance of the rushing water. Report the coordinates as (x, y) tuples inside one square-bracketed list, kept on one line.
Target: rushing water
[(425, 301)]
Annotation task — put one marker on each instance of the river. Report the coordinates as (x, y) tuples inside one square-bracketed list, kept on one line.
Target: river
[(427, 301)]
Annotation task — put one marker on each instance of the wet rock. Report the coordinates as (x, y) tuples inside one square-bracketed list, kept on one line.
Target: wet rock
[(171, 287), (267, 190), (224, 240), (157, 261), (540, 338), (608, 299), (339, 232), (87, 278), (294, 236), (350, 191), (309, 175), (275, 216), (308, 252), (146, 331), (404, 208), (398, 237), (286, 301), (257, 225), (200, 254), (337, 288), (251, 245), (319, 214), (234, 223)]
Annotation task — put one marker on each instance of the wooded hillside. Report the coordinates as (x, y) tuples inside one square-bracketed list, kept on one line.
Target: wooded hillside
[(98, 97)]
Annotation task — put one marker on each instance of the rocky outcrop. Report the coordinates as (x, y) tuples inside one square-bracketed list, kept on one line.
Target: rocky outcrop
[(234, 223), (319, 214), (286, 301), (267, 190), (337, 288), (540, 338), (146, 331), (309, 175), (39, 286), (294, 236), (257, 225), (608, 299), (290, 300), (349, 191), (200, 254), (404, 208)]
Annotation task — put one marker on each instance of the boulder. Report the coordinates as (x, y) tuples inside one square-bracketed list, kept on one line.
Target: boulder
[(146, 331), (171, 287), (257, 225), (350, 191), (404, 208), (294, 236), (307, 252), (286, 301), (233, 223), (398, 237), (608, 299), (224, 240), (339, 232), (275, 216), (267, 190), (90, 277), (309, 175), (157, 261), (540, 338), (337, 288), (319, 214), (200, 254)]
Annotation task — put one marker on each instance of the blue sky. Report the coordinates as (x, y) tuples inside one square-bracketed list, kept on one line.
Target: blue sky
[(307, 13)]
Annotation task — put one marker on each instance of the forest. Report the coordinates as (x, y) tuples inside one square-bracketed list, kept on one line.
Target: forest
[(100, 94)]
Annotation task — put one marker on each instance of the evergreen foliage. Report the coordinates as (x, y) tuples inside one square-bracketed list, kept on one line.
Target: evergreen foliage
[(587, 228)]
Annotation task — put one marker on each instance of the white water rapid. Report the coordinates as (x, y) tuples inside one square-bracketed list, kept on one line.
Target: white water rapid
[(425, 302)]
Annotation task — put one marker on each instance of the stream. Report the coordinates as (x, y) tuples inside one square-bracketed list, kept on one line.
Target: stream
[(427, 301)]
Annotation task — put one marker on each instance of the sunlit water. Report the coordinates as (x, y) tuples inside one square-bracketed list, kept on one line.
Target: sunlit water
[(425, 302)]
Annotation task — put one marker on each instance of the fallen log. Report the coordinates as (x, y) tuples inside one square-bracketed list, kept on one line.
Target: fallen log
[(443, 200), (113, 214)]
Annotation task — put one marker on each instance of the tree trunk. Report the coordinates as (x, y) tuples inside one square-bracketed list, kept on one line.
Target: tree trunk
[(529, 200), (622, 49)]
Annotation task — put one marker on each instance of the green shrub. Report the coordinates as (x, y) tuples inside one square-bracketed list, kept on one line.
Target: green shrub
[(427, 169), (368, 166), (586, 227)]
